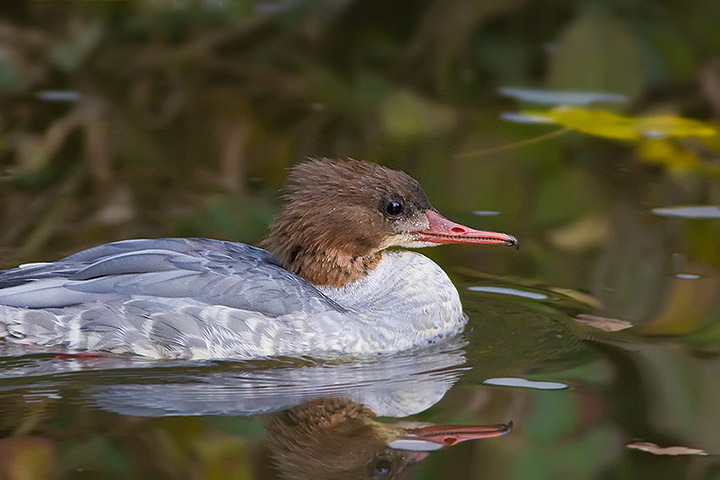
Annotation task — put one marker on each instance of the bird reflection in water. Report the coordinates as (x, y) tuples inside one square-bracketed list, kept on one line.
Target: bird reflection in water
[(319, 417), (338, 439)]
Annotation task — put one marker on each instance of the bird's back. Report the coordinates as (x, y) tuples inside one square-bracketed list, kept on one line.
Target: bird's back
[(161, 298)]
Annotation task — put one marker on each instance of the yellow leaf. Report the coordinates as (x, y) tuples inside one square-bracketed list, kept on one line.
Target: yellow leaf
[(606, 124), (665, 153)]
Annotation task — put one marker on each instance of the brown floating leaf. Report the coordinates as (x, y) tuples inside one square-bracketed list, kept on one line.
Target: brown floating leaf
[(603, 323), (658, 450)]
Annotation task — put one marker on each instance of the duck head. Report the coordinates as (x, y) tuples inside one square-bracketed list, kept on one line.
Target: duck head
[(340, 216)]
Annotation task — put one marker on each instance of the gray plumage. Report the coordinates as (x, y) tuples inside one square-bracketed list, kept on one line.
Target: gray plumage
[(200, 298)]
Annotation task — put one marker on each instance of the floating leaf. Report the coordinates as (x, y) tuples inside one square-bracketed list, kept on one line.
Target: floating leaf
[(603, 323), (658, 450), (606, 124), (666, 153)]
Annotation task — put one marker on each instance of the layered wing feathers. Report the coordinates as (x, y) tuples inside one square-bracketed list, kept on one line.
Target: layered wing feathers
[(164, 298)]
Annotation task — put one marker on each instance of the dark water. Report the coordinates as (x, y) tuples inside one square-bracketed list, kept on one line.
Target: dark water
[(179, 118), (577, 397)]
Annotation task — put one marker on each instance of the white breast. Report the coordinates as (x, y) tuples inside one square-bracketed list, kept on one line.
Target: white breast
[(407, 295)]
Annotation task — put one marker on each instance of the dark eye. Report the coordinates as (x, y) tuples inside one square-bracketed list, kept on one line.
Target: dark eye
[(383, 467), (394, 208)]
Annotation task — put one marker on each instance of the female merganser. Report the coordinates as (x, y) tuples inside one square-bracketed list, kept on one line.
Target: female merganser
[(330, 290)]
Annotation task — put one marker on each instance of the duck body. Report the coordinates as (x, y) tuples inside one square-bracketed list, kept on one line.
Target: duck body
[(201, 298), (329, 288)]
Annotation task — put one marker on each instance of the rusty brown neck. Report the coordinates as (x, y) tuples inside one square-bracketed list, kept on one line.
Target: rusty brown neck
[(329, 266)]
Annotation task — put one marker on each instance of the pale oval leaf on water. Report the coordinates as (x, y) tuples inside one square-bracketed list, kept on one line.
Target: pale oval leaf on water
[(509, 291), (58, 95), (561, 97), (655, 449), (524, 383), (698, 211), (688, 276), (524, 117)]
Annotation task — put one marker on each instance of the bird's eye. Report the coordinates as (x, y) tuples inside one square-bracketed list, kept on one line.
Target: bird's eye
[(394, 208), (383, 467)]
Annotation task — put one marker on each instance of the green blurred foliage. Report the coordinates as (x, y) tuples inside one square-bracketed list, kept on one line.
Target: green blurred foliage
[(180, 103)]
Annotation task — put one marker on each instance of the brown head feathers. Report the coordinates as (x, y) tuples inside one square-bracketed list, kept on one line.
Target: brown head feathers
[(339, 216)]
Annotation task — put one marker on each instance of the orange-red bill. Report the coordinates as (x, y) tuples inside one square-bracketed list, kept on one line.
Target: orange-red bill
[(442, 230), (434, 437)]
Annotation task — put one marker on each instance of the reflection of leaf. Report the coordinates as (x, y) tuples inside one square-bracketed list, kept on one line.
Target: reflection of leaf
[(603, 323), (606, 124), (657, 450)]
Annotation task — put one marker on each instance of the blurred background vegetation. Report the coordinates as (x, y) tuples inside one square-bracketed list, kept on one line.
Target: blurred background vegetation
[(179, 117), (123, 119)]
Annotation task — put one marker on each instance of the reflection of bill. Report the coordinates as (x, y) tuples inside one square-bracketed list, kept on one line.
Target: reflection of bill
[(339, 439)]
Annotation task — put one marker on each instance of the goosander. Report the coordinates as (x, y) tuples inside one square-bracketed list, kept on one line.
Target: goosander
[(325, 286)]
